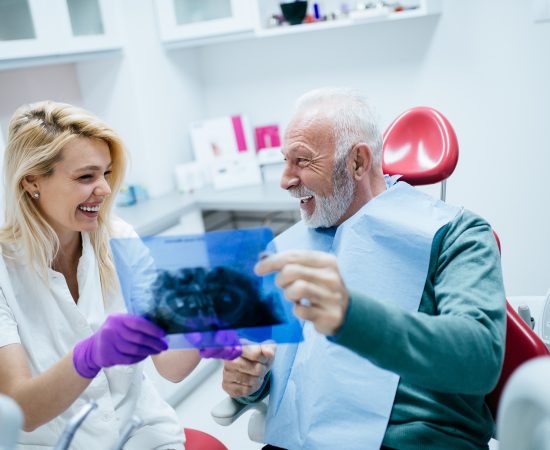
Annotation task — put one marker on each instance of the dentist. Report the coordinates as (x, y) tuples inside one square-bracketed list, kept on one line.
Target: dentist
[(64, 336)]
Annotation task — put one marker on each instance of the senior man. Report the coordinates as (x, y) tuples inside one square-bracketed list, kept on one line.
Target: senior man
[(401, 296)]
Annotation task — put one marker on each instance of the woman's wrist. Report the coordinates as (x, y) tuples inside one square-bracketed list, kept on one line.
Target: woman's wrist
[(82, 362)]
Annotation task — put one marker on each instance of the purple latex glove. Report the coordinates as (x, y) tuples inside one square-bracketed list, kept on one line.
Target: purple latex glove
[(122, 339), (221, 344)]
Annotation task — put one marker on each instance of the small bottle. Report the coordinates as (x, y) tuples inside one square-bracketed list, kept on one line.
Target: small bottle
[(316, 13)]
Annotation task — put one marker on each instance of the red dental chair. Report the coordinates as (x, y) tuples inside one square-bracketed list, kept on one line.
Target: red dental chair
[(198, 440), (422, 146)]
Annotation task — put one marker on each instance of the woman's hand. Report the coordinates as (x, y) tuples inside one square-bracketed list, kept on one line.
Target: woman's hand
[(221, 344), (122, 339)]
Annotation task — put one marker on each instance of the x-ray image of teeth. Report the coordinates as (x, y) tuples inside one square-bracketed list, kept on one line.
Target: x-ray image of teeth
[(203, 283), (202, 299)]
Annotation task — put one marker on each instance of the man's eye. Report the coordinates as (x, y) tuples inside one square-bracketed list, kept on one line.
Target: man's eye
[(301, 162)]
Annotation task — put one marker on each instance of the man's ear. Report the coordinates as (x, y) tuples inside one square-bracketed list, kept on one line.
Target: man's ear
[(30, 184), (361, 161)]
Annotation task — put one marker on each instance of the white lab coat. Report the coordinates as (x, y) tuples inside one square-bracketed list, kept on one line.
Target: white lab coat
[(48, 323)]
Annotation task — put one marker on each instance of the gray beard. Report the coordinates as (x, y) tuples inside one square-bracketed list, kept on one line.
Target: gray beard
[(329, 209)]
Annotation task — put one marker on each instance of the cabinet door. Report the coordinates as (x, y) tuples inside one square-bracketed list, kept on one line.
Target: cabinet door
[(90, 25), (195, 19), (40, 28), (21, 34)]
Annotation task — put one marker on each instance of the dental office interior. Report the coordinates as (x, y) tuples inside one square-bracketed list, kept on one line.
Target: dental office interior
[(165, 73)]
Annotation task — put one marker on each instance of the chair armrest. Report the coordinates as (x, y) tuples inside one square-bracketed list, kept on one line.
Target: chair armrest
[(256, 424), (229, 410), (523, 420)]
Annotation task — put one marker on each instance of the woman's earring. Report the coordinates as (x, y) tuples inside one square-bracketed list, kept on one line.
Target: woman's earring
[(36, 195)]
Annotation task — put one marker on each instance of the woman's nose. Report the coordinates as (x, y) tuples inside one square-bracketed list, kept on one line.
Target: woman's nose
[(103, 188)]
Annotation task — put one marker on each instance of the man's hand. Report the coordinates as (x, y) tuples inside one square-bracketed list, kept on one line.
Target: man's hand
[(312, 276), (245, 375)]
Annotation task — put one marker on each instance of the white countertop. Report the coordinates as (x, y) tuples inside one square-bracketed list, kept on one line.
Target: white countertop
[(157, 214)]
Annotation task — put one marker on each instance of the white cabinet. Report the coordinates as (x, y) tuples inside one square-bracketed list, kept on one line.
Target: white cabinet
[(181, 20), (32, 29), (184, 23)]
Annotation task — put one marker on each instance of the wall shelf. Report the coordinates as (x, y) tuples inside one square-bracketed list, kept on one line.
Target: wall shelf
[(341, 23), (249, 17)]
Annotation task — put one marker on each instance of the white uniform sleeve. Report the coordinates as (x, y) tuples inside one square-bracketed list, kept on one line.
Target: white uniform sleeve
[(8, 325), (122, 229)]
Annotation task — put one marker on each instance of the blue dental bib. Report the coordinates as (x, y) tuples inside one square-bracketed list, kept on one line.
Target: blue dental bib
[(324, 396)]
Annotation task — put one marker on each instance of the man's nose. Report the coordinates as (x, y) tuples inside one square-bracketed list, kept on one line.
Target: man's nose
[(288, 179)]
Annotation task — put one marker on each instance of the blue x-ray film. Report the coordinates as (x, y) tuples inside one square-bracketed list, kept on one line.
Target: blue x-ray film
[(196, 285)]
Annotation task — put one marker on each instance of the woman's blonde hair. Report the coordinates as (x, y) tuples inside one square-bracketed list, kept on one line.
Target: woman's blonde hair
[(37, 135)]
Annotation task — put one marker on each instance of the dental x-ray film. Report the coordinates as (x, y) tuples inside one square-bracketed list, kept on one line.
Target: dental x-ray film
[(202, 284)]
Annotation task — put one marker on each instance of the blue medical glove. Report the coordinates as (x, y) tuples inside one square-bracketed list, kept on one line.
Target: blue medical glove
[(122, 339), (221, 344)]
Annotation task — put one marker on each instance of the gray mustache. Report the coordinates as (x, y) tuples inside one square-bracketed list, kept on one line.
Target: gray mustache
[(300, 192)]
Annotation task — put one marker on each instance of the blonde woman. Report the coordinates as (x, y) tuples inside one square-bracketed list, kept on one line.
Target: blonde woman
[(64, 336)]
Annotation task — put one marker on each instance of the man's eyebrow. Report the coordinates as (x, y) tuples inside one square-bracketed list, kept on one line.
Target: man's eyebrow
[(294, 149)]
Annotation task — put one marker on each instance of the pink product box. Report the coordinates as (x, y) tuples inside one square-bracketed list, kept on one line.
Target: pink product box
[(267, 137)]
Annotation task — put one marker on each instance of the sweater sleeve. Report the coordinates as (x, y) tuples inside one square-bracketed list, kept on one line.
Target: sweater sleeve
[(259, 395), (459, 346)]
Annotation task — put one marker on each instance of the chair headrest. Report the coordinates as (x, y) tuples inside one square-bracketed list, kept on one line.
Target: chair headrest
[(421, 145)]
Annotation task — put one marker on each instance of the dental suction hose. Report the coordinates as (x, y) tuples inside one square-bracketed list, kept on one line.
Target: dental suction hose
[(73, 425), (130, 426)]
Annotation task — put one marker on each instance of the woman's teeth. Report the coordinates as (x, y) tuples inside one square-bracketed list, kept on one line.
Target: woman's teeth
[(306, 199), (89, 208)]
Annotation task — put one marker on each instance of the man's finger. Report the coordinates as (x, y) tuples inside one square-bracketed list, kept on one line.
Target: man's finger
[(306, 312), (233, 372), (268, 351), (241, 365), (292, 272), (253, 353), (236, 390), (311, 258), (316, 294)]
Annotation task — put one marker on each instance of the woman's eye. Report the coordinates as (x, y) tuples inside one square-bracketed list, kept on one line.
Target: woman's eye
[(85, 177), (106, 174)]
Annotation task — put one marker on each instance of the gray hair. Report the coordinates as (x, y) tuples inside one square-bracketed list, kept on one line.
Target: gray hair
[(353, 119)]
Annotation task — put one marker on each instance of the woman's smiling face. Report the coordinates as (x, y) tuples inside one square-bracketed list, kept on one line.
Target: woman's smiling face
[(71, 196)]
